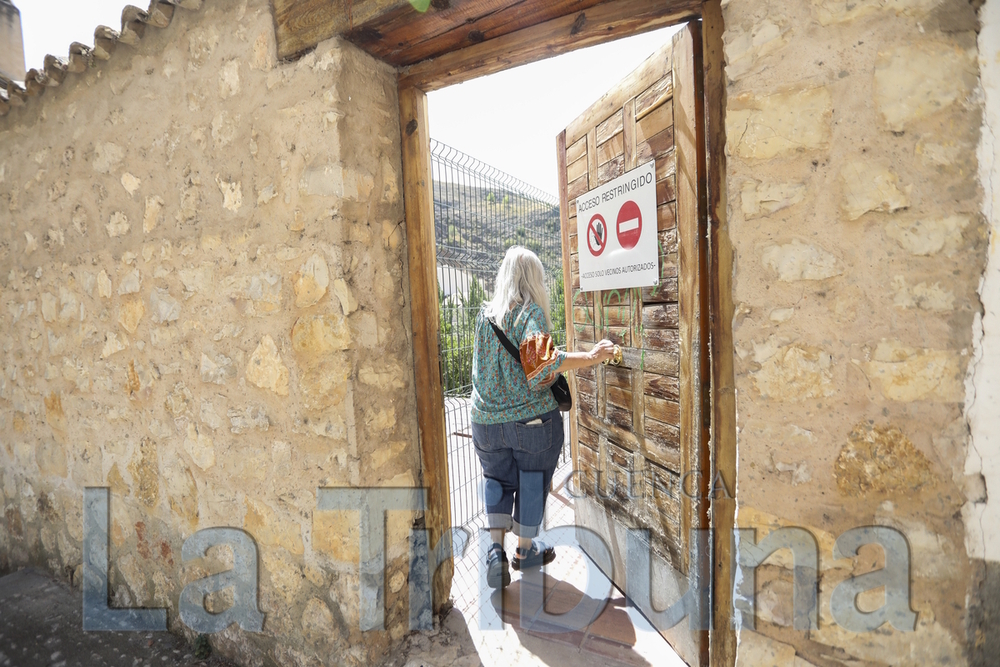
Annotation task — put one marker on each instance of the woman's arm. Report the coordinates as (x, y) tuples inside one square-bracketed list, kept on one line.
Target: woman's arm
[(603, 350)]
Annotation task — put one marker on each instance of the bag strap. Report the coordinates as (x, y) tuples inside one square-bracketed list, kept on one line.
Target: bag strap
[(505, 341)]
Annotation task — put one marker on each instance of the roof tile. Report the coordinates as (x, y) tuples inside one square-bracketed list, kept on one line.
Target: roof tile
[(82, 57)]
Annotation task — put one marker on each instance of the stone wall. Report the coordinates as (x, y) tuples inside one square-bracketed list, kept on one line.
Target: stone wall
[(860, 241), (204, 308)]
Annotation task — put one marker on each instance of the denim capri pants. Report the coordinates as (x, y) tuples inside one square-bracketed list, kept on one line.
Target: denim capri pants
[(518, 461)]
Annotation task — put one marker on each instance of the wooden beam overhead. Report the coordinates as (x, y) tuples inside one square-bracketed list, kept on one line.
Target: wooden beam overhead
[(603, 23), (403, 38), (299, 25)]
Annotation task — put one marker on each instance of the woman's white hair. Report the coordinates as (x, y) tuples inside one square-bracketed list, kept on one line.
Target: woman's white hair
[(520, 280)]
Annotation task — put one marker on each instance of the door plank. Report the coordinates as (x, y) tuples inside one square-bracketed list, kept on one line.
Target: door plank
[(666, 190), (660, 316), (610, 126), (577, 169), (658, 119), (576, 151), (666, 216), (619, 416), (661, 386), (611, 148), (665, 292), (654, 146), (588, 438), (659, 92), (577, 188), (611, 169), (619, 377), (660, 409), (663, 445), (665, 340)]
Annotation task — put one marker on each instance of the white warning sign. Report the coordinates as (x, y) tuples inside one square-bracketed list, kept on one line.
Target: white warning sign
[(616, 228)]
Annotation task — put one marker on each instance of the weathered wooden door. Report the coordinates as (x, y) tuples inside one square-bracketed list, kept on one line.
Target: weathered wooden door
[(639, 444)]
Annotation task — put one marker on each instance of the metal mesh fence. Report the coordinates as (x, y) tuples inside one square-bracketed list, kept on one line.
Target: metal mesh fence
[(479, 212)]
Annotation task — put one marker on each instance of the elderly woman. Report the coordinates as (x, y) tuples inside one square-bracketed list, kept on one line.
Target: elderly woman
[(516, 425)]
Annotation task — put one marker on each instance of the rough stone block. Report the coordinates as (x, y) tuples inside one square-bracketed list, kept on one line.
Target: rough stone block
[(232, 194), (182, 493), (265, 368), (348, 303), (272, 529), (912, 374), (178, 401), (129, 314), (130, 283), (929, 235), (199, 447), (51, 458), (216, 368), (113, 345), (759, 199), (869, 186), (924, 296), (327, 383), (107, 157), (793, 372), (229, 79), (311, 281), (103, 284), (314, 337), (118, 224), (163, 307), (199, 279), (251, 417), (756, 649), (745, 48), (762, 127), (800, 261), (920, 78), (317, 622), (881, 460), (144, 468), (264, 293), (153, 213), (337, 534), (130, 183)]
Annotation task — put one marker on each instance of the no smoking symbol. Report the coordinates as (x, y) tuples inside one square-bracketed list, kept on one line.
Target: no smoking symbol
[(597, 235), (629, 225)]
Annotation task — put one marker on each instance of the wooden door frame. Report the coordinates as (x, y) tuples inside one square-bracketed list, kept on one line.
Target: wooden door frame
[(606, 22)]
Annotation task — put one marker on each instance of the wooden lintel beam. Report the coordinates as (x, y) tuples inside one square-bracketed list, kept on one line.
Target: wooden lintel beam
[(603, 23), (300, 25)]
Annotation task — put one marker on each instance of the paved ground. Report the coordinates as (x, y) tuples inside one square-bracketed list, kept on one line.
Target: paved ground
[(41, 625)]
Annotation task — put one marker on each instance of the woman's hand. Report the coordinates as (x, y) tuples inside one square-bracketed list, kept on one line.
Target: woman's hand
[(600, 352)]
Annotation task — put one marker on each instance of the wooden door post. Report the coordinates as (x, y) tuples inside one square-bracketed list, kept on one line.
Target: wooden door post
[(418, 198)]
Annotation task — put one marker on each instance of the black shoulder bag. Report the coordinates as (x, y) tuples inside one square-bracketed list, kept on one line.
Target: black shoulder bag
[(560, 388)]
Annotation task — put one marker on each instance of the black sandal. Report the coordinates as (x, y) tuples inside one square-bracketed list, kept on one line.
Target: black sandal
[(539, 554), (497, 572)]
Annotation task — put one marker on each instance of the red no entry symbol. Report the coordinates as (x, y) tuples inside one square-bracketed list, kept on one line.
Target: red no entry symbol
[(629, 225), (597, 235)]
